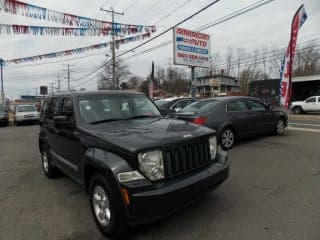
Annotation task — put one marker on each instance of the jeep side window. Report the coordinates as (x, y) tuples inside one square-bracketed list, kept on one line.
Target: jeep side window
[(53, 108), (67, 109), (45, 106)]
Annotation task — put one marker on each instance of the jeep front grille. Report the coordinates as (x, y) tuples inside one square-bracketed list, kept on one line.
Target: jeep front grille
[(186, 158)]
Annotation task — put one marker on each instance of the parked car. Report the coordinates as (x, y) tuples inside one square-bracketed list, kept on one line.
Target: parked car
[(135, 165), (172, 105), (4, 116), (311, 104), (26, 114), (234, 117)]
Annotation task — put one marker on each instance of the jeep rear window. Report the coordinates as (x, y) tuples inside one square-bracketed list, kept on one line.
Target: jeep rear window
[(103, 107)]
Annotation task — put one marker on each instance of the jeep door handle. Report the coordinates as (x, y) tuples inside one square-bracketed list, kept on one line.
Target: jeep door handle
[(234, 117)]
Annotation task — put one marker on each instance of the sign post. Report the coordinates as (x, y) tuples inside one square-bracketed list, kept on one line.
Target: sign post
[(191, 49), (2, 90)]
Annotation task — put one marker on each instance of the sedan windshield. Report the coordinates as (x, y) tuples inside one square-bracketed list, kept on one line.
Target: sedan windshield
[(201, 106), (26, 109), (106, 108), (160, 103)]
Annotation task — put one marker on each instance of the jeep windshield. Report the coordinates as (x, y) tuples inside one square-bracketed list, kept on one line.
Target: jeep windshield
[(98, 108)]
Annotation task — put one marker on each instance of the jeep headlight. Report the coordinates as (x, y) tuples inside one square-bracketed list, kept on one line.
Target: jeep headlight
[(151, 164), (213, 147)]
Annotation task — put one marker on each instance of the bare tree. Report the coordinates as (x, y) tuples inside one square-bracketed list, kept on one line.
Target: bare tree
[(307, 60), (229, 57), (241, 55), (122, 73)]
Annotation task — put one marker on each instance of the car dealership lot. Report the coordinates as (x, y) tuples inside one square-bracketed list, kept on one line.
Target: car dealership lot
[(272, 193)]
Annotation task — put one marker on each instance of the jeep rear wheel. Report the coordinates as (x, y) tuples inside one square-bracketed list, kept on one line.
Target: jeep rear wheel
[(297, 110), (105, 212)]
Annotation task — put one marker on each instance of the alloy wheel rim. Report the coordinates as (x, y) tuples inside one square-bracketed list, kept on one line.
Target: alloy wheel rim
[(45, 161), (101, 205), (227, 138), (280, 127)]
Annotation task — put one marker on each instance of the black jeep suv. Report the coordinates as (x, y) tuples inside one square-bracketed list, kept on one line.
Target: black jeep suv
[(135, 165)]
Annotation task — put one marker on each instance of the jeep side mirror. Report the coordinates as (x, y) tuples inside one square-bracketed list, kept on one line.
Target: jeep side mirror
[(61, 122)]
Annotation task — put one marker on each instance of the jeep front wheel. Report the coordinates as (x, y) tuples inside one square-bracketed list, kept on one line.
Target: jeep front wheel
[(49, 170), (104, 211)]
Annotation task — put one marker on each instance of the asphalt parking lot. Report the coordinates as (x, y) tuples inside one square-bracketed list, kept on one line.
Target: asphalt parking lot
[(272, 193)]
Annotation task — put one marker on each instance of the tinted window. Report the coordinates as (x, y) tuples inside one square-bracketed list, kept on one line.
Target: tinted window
[(45, 106), (256, 106), (183, 104), (311, 100), (66, 108), (2, 109), (54, 108), (201, 106), (237, 106)]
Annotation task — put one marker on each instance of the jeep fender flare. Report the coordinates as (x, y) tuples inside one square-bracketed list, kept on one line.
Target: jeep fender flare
[(97, 160)]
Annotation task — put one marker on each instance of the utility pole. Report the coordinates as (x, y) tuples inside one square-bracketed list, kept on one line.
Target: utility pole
[(115, 80), (58, 81), (2, 90), (68, 74), (52, 84)]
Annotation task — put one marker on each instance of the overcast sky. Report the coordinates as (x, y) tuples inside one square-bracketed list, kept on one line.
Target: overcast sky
[(264, 27)]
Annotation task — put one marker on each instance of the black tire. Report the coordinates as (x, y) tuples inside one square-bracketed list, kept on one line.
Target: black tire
[(16, 123), (114, 227), (280, 126), (227, 138), (49, 170), (297, 110)]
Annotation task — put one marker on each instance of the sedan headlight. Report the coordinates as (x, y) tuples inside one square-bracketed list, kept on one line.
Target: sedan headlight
[(151, 164), (213, 147)]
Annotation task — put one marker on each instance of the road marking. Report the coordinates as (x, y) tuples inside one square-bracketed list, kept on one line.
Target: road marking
[(304, 124), (305, 129)]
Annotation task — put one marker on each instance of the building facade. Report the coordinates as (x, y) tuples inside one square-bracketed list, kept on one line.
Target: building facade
[(216, 85)]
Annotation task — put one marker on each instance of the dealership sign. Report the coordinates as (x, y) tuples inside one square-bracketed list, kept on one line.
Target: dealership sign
[(191, 48)]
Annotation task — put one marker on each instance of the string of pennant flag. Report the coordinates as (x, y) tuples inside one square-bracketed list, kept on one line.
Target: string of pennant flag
[(32, 11), (67, 31), (77, 50)]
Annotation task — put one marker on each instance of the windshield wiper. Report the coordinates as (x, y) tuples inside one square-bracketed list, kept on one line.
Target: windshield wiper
[(145, 116), (107, 120)]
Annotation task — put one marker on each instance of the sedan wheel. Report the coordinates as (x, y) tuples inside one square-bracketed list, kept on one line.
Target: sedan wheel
[(227, 138), (280, 127)]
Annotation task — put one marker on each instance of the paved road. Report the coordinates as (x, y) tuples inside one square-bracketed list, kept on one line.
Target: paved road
[(305, 121), (272, 193)]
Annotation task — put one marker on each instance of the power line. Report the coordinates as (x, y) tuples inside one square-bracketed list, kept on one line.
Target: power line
[(234, 14), (131, 5), (174, 10), (169, 29)]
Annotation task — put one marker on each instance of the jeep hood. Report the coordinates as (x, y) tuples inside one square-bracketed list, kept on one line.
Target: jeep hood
[(139, 134)]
